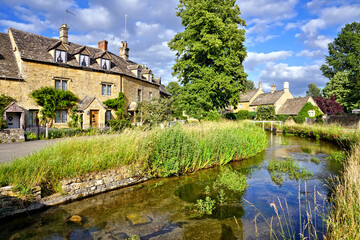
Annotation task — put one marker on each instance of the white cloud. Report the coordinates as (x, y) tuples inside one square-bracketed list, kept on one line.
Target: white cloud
[(311, 54), (255, 59)]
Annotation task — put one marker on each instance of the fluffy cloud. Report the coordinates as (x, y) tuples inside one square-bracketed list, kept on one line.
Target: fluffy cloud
[(298, 76), (311, 54), (255, 59)]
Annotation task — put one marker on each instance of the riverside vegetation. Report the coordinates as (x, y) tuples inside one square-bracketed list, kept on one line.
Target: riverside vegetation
[(344, 217), (159, 152)]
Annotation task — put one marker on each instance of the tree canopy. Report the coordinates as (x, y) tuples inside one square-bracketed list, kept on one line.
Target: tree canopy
[(342, 67), (51, 100), (249, 85), (209, 54), (313, 91)]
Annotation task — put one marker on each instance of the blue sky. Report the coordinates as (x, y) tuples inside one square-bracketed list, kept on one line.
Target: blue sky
[(286, 40)]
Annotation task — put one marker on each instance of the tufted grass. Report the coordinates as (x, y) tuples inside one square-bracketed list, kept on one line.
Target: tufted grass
[(160, 152)]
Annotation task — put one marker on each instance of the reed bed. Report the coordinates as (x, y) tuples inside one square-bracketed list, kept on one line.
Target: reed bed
[(160, 152)]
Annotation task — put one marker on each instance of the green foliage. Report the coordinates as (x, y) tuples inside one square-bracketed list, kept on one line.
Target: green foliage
[(342, 67), (4, 102), (230, 116), (249, 85), (209, 52), (156, 111), (265, 113), (232, 180), (303, 114), (118, 104), (313, 91), (242, 114), (51, 100), (315, 160), (205, 206), (212, 115), (339, 156), (177, 108), (289, 167), (282, 117), (118, 124), (252, 115), (75, 117)]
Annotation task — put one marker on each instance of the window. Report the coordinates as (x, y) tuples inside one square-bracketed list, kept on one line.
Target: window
[(107, 116), (150, 96), (84, 60), (311, 113), (138, 74), (106, 89), (32, 118), (240, 105), (60, 56), (150, 78), (138, 95), (61, 116), (61, 84), (105, 64)]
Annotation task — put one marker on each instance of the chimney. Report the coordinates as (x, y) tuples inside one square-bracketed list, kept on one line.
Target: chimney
[(103, 45), (260, 86), (273, 88), (124, 50), (286, 86), (64, 30)]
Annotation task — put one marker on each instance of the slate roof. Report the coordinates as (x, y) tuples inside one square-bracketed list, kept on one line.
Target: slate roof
[(164, 91), (267, 98), (246, 97), (8, 65), (33, 47), (293, 106)]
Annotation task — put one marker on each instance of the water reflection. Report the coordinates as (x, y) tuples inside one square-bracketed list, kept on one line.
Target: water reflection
[(164, 202)]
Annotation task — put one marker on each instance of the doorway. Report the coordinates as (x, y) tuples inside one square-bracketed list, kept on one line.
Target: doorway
[(94, 118), (13, 119)]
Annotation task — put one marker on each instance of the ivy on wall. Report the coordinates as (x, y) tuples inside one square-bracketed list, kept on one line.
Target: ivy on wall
[(4, 102), (304, 113)]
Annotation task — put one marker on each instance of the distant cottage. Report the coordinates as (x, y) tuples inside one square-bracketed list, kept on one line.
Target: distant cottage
[(29, 62)]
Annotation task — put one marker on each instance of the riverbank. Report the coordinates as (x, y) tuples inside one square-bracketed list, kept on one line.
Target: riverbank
[(155, 153), (344, 218)]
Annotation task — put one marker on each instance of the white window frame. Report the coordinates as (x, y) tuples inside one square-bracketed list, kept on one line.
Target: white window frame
[(62, 55), (105, 61), (86, 58), (311, 113), (107, 88)]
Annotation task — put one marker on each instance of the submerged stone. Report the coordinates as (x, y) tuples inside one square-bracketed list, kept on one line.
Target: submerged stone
[(75, 218), (138, 219)]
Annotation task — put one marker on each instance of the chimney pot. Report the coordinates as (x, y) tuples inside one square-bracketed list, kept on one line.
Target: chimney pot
[(64, 33), (124, 50), (273, 88), (286, 86), (260, 86), (103, 45)]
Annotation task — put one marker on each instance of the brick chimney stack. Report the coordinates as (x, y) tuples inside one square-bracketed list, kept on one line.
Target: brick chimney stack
[(273, 88), (103, 45), (64, 33), (124, 50)]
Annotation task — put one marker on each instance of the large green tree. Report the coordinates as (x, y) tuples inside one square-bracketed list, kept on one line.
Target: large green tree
[(209, 54), (313, 91), (344, 56)]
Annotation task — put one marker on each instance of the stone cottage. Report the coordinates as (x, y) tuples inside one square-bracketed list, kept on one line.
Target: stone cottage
[(29, 62)]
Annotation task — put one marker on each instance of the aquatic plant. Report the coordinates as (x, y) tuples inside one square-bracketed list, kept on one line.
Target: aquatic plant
[(315, 160), (232, 180), (339, 156), (221, 197)]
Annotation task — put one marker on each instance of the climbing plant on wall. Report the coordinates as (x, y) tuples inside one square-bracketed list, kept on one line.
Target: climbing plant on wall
[(304, 113), (4, 102)]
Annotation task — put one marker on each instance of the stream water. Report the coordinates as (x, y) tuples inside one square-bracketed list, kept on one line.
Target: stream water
[(164, 205)]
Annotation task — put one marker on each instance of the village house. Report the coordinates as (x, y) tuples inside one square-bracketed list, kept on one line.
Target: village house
[(29, 62), (247, 98), (293, 106)]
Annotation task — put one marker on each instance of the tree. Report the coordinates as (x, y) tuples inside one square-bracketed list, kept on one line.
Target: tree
[(344, 56), (329, 106), (155, 111), (51, 100), (249, 85), (210, 52), (4, 102), (177, 108), (314, 91), (265, 113)]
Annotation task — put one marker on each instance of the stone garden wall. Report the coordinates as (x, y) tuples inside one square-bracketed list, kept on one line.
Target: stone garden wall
[(72, 189), (349, 121), (12, 135)]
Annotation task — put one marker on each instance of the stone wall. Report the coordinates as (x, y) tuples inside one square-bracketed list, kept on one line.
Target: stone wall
[(72, 189), (349, 121), (12, 135)]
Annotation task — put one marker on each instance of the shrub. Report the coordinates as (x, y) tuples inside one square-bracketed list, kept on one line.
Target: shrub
[(230, 116), (212, 116), (265, 113), (118, 125), (252, 115), (282, 117), (243, 114)]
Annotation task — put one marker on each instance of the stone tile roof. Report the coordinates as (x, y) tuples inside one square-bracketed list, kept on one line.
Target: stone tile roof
[(293, 106), (85, 103), (246, 97), (8, 65), (267, 98), (164, 91), (36, 48)]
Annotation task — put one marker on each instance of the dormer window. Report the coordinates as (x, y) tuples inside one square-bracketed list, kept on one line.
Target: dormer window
[(84, 60), (138, 74), (150, 78), (105, 64), (60, 56)]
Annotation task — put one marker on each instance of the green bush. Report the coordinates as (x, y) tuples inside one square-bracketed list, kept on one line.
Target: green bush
[(265, 113), (230, 116), (243, 114), (282, 117), (118, 125), (213, 116), (252, 115)]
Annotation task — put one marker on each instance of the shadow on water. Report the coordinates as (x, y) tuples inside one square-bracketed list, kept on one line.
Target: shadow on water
[(164, 202)]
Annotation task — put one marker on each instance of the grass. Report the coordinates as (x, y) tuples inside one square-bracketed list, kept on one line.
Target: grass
[(289, 167), (160, 152)]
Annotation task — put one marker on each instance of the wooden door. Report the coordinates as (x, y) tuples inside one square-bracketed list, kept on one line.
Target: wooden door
[(13, 119), (94, 118)]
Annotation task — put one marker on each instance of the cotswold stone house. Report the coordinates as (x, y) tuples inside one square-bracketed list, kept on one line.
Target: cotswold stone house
[(94, 75)]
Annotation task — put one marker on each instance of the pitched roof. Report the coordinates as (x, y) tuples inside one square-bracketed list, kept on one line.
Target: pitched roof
[(8, 65), (246, 97), (34, 47), (293, 106), (164, 91), (267, 98)]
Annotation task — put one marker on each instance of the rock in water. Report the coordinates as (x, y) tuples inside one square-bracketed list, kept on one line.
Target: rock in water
[(137, 219), (75, 218)]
